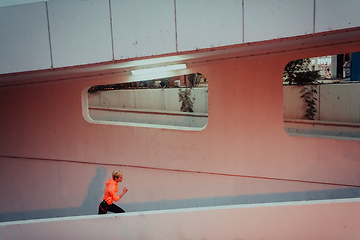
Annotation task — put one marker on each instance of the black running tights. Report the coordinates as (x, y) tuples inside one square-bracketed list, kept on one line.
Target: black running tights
[(104, 207)]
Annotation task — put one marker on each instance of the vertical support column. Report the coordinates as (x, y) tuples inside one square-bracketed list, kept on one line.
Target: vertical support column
[(340, 64), (334, 66), (355, 66)]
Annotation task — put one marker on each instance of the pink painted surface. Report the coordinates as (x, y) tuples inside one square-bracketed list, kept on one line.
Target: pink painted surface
[(243, 153), (306, 220)]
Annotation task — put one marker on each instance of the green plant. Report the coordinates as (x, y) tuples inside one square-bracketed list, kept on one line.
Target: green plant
[(165, 82), (309, 96), (187, 103), (150, 83), (195, 79), (298, 72)]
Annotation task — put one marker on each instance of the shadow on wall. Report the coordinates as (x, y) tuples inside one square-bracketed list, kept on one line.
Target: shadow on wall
[(95, 192), (96, 187), (346, 192), (88, 207)]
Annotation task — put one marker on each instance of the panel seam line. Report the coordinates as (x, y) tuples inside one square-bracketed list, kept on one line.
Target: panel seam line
[(314, 18), (49, 35), (176, 35), (111, 33), (186, 171), (243, 22)]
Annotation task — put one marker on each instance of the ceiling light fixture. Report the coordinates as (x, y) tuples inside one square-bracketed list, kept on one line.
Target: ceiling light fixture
[(158, 69)]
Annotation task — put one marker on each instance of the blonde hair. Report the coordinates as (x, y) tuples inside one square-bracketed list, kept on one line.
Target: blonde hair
[(116, 174)]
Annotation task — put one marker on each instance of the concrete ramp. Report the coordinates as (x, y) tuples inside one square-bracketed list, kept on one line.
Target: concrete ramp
[(323, 219)]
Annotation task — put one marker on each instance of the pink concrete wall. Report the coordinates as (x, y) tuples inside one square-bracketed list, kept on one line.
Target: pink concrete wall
[(243, 155)]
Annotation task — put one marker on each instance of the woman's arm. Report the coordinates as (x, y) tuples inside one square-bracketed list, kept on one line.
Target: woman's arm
[(123, 193)]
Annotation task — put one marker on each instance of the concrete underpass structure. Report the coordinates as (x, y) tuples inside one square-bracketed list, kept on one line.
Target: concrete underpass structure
[(240, 177)]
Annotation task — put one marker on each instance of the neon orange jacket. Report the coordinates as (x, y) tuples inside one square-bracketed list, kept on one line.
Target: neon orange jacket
[(110, 194)]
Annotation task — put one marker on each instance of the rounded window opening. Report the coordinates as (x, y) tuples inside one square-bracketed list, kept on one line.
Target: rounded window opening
[(321, 96), (178, 102)]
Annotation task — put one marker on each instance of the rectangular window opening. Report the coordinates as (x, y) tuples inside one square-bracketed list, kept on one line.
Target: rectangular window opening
[(321, 96), (178, 102)]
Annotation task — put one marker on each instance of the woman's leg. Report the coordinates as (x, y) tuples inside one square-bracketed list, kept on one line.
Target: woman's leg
[(103, 208), (115, 209)]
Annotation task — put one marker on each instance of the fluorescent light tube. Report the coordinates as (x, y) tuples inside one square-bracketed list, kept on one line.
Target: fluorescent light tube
[(158, 69)]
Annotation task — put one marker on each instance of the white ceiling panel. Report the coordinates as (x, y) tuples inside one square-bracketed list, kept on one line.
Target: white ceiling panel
[(24, 39), (272, 19), (143, 28), (336, 14), (207, 24), (80, 32)]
